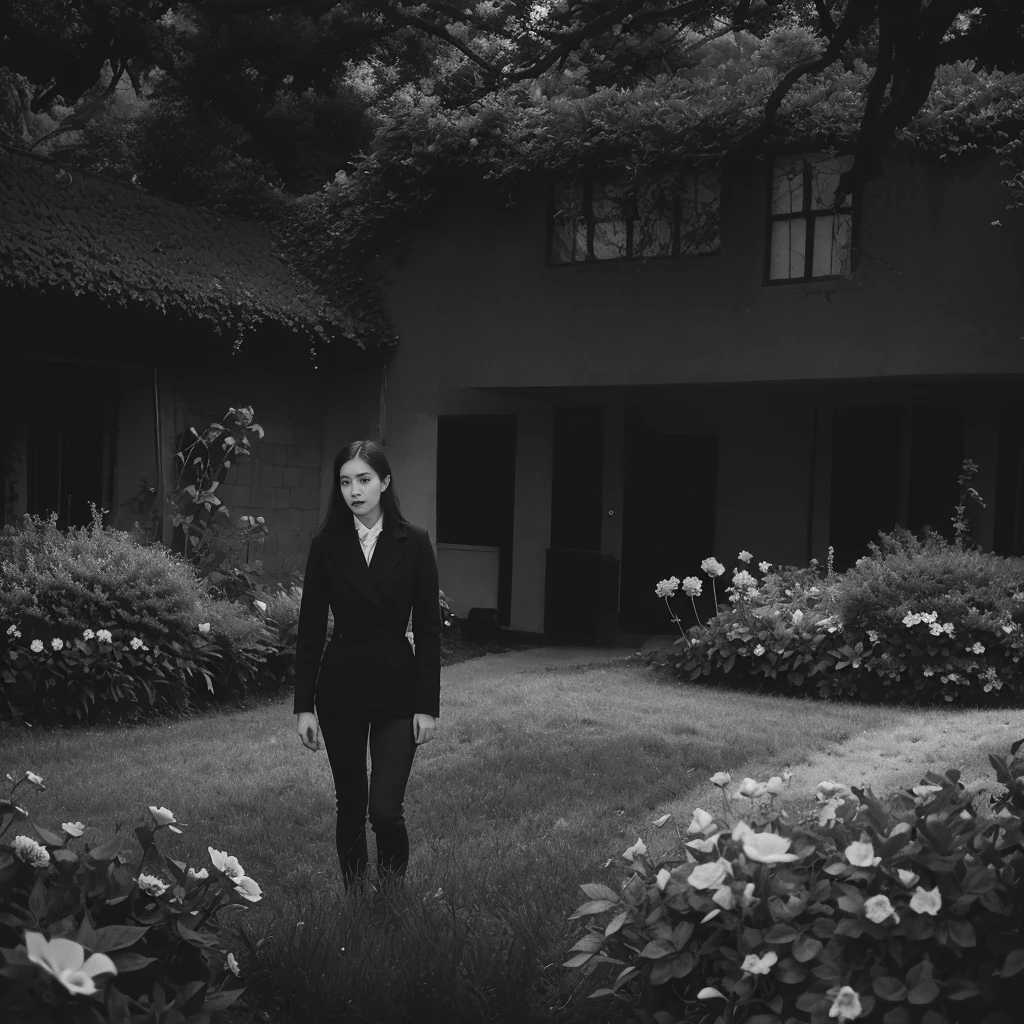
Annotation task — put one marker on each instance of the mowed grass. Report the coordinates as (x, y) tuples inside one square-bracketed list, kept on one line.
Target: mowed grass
[(534, 782)]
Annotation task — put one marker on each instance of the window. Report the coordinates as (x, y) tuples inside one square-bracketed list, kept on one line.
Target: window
[(807, 238), (622, 220)]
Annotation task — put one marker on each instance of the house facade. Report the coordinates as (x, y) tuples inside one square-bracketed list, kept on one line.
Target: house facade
[(580, 407)]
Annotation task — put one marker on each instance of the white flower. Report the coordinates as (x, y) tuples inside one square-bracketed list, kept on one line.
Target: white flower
[(246, 887), (744, 556), (828, 810), (663, 876), (710, 875), (926, 790), (104, 636), (262, 605), (65, 960), (724, 897), (666, 588), (712, 566), (862, 855), (926, 901), (751, 788), (774, 785), (73, 828), (12, 629), (846, 1005), (135, 643), (701, 820), (57, 644), (721, 779), (30, 852), (204, 627), (764, 566), (692, 586), (873, 636), (759, 650), (768, 848), (162, 817), (197, 876), (710, 993), (233, 965), (741, 830), (260, 519), (36, 780), (908, 878), (878, 908), (88, 634), (222, 862), (704, 845), (978, 648), (742, 578), (748, 895), (798, 616), (759, 965), (153, 885), (828, 789)]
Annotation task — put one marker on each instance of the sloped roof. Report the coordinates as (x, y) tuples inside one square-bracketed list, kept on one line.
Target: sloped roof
[(85, 233)]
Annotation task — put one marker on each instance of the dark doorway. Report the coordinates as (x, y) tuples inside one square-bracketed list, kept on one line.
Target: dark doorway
[(476, 482), (668, 524), (72, 428), (936, 460)]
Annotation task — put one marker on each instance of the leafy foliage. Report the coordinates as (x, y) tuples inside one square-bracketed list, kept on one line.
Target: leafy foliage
[(904, 910)]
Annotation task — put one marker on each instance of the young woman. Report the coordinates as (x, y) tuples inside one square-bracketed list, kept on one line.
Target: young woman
[(371, 566)]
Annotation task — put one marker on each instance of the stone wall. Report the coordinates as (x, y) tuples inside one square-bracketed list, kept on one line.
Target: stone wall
[(281, 479)]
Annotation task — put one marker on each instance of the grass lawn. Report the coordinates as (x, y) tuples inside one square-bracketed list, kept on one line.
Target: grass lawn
[(534, 781)]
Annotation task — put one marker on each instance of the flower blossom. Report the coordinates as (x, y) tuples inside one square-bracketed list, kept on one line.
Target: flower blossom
[(663, 877), (704, 845), (701, 820), (712, 566), (742, 578), (57, 644), (862, 855), (233, 965), (710, 875), (197, 876), (88, 634), (758, 650), (765, 567), (153, 885), (36, 780), (908, 878), (162, 817), (774, 785), (204, 627), (926, 901), (30, 852), (768, 848), (798, 616), (65, 960), (262, 605), (846, 1005), (667, 588), (926, 790), (721, 779), (245, 886), (229, 865), (744, 556), (36, 645), (692, 586), (724, 897), (710, 993), (759, 964), (978, 648), (878, 908), (751, 789), (104, 636), (136, 643), (73, 828), (828, 789)]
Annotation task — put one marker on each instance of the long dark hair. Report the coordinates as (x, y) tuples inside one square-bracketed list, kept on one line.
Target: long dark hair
[(339, 515)]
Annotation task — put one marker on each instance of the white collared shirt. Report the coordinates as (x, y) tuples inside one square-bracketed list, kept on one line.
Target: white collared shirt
[(368, 536)]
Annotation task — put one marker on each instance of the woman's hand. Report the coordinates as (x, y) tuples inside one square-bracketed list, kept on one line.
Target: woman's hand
[(309, 729), (423, 727)]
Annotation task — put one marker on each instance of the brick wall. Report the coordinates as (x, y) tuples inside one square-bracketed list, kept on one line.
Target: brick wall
[(281, 479)]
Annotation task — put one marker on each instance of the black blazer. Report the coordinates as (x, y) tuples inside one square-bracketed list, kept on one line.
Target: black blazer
[(368, 666)]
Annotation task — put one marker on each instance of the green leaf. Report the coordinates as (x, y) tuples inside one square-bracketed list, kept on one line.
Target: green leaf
[(962, 933), (578, 961), (127, 961), (897, 1015), (1013, 964), (590, 943), (922, 993), (891, 989), (781, 933), (593, 907), (48, 837), (657, 948), (806, 947), (961, 988), (598, 891)]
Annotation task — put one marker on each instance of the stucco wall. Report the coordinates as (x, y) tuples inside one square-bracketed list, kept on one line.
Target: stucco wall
[(936, 293)]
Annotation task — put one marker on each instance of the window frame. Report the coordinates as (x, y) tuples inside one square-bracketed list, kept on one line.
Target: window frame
[(587, 182), (851, 206)]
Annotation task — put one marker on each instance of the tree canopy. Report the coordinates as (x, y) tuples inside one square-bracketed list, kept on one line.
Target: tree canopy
[(338, 119)]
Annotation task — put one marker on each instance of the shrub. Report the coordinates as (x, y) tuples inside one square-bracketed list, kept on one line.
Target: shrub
[(906, 911), (148, 933), (60, 591)]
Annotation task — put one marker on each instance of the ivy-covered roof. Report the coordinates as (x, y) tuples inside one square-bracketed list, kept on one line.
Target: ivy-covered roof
[(84, 233)]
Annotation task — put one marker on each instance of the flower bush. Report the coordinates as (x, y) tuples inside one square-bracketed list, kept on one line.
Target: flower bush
[(906, 910), (87, 934), (915, 620), (96, 624)]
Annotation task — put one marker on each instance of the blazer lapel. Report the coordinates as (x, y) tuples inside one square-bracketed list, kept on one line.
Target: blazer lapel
[(386, 556), (355, 569)]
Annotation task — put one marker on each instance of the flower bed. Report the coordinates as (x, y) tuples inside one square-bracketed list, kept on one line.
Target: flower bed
[(916, 620), (906, 910)]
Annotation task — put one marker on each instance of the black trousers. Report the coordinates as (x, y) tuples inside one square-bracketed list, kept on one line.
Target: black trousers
[(392, 748)]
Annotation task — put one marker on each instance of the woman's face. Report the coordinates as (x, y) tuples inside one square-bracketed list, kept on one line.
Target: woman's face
[(361, 488)]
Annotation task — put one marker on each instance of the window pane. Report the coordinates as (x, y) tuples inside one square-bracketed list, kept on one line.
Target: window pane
[(825, 173), (789, 239), (609, 221), (569, 235), (788, 184), (655, 222), (831, 245), (700, 199)]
